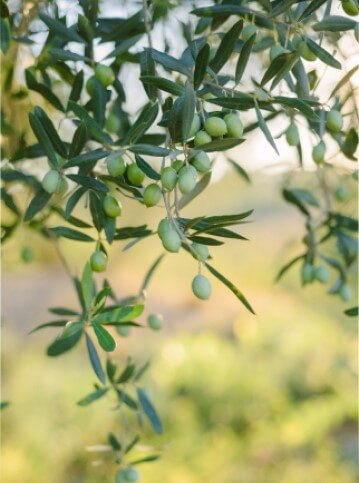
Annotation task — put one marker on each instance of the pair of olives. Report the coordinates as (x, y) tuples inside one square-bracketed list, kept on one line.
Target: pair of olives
[(54, 183), (310, 273), (116, 166)]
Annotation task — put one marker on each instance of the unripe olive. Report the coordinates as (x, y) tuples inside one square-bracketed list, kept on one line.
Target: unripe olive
[(169, 178), (248, 31), (135, 175), (62, 187), (27, 254), (341, 193), (111, 206), (201, 162), (121, 477), (321, 273), (98, 261), (177, 165), (305, 52), (234, 126), (113, 123), (345, 292), (196, 124), (171, 241), (124, 331), (116, 165), (132, 474), (163, 227), (215, 126), (201, 251), (350, 7), (277, 50), (307, 273), (202, 138), (90, 84), (51, 181), (104, 74), (155, 321), (152, 195), (201, 287), (334, 120), (318, 152), (187, 179), (292, 135)]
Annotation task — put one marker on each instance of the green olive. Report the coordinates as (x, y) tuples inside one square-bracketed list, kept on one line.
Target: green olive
[(277, 50), (171, 241), (201, 162), (152, 195), (196, 124), (202, 138), (292, 135), (177, 165), (341, 193), (62, 187), (124, 330), (98, 261), (135, 175), (201, 251), (305, 52), (318, 152), (163, 227), (250, 30), (215, 126), (350, 7), (334, 120), (234, 126), (169, 178), (104, 74), (111, 206), (51, 181), (321, 273), (116, 165), (307, 273), (90, 84), (155, 321), (113, 123), (132, 474), (201, 287), (345, 292), (121, 477), (27, 254), (187, 179)]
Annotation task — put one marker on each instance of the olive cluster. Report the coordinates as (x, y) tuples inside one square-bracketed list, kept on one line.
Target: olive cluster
[(311, 273)]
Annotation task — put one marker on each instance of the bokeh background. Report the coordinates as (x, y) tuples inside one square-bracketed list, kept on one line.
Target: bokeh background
[(269, 398)]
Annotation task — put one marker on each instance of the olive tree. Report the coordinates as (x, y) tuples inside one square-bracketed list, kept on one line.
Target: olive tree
[(99, 149)]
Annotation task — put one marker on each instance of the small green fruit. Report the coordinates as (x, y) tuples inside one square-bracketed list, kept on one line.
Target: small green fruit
[(321, 273), (201, 287), (152, 195), (277, 50), (318, 152), (124, 331), (104, 74), (27, 254), (341, 194), (62, 187), (116, 165), (51, 181), (111, 206), (98, 261), (334, 120), (132, 474), (234, 126), (202, 138), (306, 53), (171, 241), (345, 292), (163, 227), (292, 135), (169, 178), (155, 321), (307, 273), (135, 175), (196, 124), (177, 165), (201, 251), (187, 179), (201, 162), (250, 30), (350, 7), (90, 84), (113, 123), (215, 126)]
